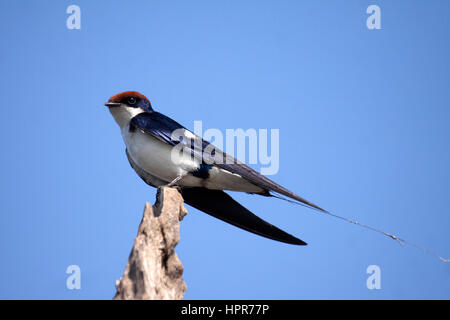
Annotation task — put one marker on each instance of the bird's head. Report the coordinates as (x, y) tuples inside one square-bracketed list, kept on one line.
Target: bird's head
[(125, 105), (130, 99)]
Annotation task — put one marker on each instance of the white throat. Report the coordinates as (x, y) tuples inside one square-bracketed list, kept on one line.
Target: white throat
[(123, 114)]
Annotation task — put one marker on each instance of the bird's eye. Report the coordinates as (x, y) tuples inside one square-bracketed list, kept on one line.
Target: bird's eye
[(131, 100)]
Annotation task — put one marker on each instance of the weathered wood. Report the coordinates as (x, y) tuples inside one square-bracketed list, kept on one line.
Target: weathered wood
[(153, 270)]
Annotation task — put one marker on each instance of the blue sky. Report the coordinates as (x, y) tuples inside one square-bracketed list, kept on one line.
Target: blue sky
[(363, 118)]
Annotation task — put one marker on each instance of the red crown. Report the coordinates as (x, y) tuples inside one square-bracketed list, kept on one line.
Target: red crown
[(123, 95)]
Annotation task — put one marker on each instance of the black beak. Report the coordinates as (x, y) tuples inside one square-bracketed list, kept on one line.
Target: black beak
[(112, 104)]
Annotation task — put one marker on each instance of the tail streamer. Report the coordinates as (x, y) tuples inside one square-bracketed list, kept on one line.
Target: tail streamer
[(392, 236)]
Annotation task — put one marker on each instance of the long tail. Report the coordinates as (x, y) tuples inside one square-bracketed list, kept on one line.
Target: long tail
[(221, 206), (401, 241)]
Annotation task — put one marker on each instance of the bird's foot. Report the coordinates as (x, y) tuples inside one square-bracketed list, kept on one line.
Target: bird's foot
[(174, 181)]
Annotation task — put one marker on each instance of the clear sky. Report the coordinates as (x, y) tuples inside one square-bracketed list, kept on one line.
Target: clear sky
[(364, 132)]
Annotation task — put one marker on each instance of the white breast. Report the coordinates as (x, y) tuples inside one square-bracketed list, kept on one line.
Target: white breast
[(155, 157)]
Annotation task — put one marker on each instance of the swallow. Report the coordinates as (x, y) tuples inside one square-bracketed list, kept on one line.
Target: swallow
[(164, 153)]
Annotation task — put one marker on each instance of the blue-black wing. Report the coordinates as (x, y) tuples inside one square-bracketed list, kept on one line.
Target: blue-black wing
[(163, 128), (156, 124)]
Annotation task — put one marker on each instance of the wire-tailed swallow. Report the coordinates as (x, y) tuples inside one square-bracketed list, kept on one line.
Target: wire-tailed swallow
[(150, 141)]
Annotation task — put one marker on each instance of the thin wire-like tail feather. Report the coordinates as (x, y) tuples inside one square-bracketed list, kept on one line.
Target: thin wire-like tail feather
[(298, 200), (389, 235)]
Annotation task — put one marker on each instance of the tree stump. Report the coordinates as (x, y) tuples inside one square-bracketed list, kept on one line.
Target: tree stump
[(153, 271)]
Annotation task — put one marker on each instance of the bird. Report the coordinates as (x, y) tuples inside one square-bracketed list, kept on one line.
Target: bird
[(164, 153)]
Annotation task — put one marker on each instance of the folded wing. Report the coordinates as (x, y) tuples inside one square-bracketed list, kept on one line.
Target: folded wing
[(163, 128)]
